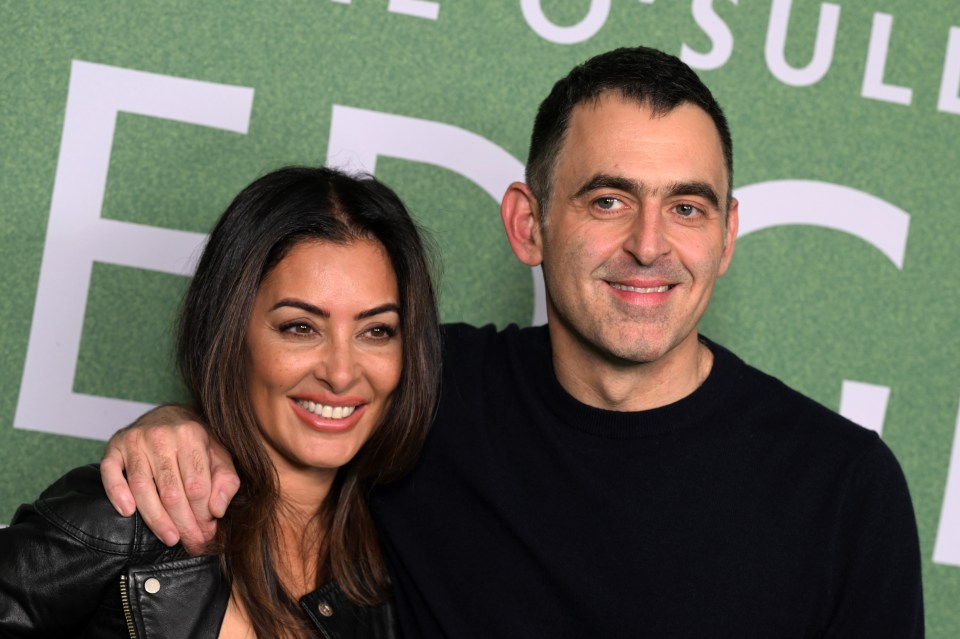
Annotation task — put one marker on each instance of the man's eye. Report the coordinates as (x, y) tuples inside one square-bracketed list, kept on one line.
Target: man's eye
[(609, 203), (686, 210)]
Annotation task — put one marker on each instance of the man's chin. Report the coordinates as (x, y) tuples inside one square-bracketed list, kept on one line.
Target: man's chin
[(635, 349)]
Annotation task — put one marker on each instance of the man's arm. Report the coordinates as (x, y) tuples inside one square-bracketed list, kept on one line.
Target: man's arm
[(177, 476), (877, 555)]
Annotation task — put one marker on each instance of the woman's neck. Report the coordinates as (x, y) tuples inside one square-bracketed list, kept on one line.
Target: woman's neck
[(301, 528), (298, 554)]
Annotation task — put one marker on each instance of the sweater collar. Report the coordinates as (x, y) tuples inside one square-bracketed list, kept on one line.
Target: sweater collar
[(684, 413)]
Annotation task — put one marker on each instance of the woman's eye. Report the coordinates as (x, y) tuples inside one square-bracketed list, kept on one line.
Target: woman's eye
[(381, 332), (297, 328)]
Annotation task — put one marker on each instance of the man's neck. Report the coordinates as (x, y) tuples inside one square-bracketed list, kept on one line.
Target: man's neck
[(630, 386)]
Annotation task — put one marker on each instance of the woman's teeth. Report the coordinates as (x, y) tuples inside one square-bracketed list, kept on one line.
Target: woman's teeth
[(323, 410)]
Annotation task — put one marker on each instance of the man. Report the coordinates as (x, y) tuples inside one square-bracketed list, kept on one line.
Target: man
[(615, 473)]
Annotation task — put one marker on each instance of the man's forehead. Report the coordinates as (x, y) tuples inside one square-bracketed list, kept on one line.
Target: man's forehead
[(600, 106), (613, 135)]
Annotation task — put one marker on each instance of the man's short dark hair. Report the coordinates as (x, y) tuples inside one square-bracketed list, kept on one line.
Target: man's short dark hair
[(652, 78)]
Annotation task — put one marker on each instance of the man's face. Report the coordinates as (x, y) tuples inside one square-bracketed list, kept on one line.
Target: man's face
[(635, 234)]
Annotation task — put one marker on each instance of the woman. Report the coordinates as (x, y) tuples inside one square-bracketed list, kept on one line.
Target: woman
[(308, 340)]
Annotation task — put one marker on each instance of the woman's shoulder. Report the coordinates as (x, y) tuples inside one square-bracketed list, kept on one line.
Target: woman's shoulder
[(77, 506)]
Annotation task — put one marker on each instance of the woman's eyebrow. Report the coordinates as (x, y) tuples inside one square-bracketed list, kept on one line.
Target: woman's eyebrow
[(377, 310), (389, 307), (304, 306)]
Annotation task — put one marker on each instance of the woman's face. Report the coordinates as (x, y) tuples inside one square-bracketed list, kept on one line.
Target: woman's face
[(324, 351)]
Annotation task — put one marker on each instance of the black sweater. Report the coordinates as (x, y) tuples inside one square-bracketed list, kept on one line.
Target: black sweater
[(743, 510)]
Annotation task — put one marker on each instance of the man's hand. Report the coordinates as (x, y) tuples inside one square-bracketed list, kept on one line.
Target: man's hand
[(176, 476)]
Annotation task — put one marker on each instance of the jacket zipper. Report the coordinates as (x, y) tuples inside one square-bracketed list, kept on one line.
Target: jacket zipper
[(127, 612)]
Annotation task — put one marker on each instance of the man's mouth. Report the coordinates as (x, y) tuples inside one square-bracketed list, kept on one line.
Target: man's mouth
[(326, 411), (635, 289)]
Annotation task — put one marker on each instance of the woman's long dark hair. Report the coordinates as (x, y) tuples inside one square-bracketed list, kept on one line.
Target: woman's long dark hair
[(262, 224)]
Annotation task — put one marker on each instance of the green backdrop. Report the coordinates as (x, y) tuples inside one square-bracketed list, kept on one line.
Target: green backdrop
[(125, 128)]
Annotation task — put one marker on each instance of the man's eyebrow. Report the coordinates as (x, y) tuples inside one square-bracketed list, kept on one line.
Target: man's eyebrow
[(700, 189), (620, 183), (605, 181), (389, 307)]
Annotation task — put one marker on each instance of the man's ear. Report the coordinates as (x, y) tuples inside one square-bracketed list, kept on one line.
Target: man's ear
[(730, 239), (520, 212)]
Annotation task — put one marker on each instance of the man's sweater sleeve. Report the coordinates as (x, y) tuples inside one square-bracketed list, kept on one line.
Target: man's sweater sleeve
[(876, 557)]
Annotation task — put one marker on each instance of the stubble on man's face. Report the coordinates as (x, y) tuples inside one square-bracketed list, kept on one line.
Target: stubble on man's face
[(636, 235)]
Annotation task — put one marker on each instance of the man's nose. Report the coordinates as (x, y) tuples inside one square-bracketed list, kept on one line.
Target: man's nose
[(647, 240)]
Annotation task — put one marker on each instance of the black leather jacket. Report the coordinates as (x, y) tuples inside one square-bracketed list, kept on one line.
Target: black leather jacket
[(70, 566)]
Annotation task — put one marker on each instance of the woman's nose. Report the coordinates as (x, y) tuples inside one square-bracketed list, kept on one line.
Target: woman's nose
[(337, 366)]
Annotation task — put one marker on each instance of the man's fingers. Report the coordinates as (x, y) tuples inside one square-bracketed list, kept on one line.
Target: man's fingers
[(164, 455), (137, 490), (195, 478), (140, 480), (111, 474), (165, 448), (224, 480)]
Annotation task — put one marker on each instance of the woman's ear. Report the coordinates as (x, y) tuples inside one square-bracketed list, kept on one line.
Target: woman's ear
[(520, 212)]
